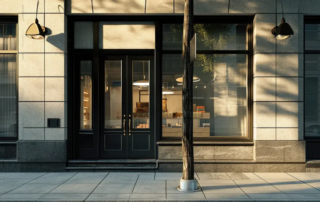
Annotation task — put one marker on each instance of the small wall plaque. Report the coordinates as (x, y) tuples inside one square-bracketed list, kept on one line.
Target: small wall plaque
[(53, 123)]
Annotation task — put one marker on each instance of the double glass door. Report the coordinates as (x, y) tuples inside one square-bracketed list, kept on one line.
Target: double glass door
[(116, 105)]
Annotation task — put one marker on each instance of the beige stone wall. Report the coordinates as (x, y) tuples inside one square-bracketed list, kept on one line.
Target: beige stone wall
[(42, 68), (278, 65)]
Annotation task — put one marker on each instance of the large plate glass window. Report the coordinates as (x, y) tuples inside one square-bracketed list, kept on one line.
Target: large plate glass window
[(8, 80), (219, 81), (312, 76)]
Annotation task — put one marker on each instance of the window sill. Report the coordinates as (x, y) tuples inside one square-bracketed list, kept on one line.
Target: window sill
[(207, 143)]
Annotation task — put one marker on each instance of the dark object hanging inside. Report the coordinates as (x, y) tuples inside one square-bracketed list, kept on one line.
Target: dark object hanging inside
[(35, 30)]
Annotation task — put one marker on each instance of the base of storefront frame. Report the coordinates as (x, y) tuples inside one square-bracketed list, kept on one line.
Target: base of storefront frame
[(15, 166)]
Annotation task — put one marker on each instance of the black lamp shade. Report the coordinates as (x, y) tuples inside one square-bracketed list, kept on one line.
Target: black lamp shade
[(283, 31), (35, 31)]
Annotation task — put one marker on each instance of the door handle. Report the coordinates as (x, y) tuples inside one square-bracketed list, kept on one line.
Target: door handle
[(129, 124), (124, 125)]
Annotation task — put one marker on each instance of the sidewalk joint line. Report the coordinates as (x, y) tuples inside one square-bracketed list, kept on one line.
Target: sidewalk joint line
[(304, 182), (165, 188), (270, 184), (96, 186), (239, 186), (134, 186), (23, 184), (58, 185)]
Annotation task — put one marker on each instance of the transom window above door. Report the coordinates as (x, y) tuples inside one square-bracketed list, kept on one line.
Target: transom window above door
[(116, 35)]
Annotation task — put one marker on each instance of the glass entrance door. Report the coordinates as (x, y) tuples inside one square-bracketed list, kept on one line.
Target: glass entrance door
[(126, 121)]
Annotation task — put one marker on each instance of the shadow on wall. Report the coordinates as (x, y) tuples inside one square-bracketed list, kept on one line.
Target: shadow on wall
[(56, 40), (142, 6), (106, 6)]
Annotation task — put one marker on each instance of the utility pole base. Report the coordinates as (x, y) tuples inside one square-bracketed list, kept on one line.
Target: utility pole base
[(188, 185)]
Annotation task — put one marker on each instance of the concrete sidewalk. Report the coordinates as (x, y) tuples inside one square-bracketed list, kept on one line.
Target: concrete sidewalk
[(121, 186)]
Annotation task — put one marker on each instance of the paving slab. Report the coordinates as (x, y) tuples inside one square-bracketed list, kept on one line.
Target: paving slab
[(222, 187), (306, 176), (227, 196), (117, 186), (214, 182), (64, 197), (114, 189), (257, 186), (168, 176), (87, 178), (281, 196), (33, 189), (148, 196), (104, 197), (20, 197), (214, 176), (74, 189), (146, 177), (20, 175), (293, 187), (312, 179), (275, 176), (53, 178), (14, 181), (4, 188), (116, 178), (171, 188), (149, 188), (186, 196), (238, 176)]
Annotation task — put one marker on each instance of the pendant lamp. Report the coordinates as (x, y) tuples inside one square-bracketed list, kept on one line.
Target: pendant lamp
[(284, 30), (35, 30)]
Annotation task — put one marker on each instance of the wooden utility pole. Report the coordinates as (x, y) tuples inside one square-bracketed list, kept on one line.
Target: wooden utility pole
[(187, 94)]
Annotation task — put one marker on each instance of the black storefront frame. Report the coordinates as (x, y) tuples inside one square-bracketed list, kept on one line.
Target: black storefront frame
[(312, 143), (10, 20), (158, 20)]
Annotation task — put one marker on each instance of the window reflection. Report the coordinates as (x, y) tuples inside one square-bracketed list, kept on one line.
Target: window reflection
[(209, 36), (312, 75), (86, 95), (8, 96), (219, 102), (8, 39), (312, 37)]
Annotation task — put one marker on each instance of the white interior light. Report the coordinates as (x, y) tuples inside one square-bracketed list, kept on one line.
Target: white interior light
[(195, 79), (141, 83), (167, 92)]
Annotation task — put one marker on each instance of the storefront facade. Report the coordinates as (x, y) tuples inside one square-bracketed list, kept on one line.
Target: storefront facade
[(102, 90)]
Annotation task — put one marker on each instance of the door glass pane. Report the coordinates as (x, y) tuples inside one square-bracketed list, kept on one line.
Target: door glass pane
[(86, 95), (140, 93), (8, 95), (113, 94)]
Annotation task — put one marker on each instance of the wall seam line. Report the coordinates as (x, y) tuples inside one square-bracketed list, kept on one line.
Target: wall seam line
[(275, 64), (44, 77)]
